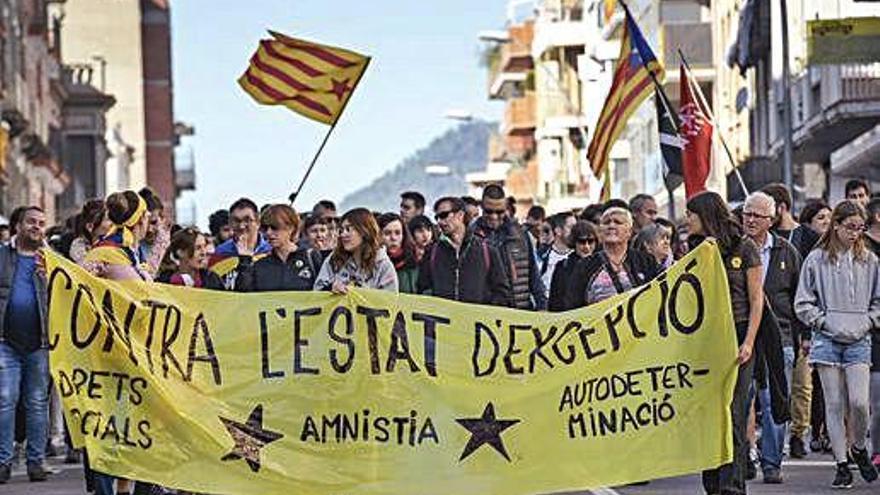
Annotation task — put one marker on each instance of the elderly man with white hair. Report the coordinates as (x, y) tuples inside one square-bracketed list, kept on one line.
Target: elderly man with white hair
[(781, 265), (613, 269)]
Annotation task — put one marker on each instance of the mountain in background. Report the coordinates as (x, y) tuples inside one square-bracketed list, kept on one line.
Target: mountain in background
[(464, 149)]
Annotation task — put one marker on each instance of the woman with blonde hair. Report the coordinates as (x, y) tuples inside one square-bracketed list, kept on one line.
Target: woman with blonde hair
[(838, 298), (359, 260)]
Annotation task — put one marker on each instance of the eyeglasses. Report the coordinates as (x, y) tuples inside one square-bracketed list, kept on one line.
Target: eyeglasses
[(751, 214), (441, 215), (854, 228), (586, 240)]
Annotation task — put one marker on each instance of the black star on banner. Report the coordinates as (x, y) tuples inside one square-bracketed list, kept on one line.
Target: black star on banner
[(249, 438), (485, 430)]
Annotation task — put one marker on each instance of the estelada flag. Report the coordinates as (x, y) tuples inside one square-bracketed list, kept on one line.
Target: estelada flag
[(629, 88), (311, 79), (696, 130)]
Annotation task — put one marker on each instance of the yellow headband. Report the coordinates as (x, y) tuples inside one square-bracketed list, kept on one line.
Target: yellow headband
[(137, 214)]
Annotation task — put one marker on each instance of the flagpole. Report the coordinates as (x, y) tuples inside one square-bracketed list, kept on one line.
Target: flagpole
[(717, 132), (659, 87), (302, 182)]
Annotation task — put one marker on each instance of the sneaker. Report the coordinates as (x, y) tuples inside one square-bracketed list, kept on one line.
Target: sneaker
[(5, 473), (36, 471), (843, 478), (796, 448), (867, 470), (772, 476)]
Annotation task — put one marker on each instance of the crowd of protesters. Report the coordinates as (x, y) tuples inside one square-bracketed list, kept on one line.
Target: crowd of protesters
[(804, 292)]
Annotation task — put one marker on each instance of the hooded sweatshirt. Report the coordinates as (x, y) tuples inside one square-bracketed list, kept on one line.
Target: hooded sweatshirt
[(840, 299)]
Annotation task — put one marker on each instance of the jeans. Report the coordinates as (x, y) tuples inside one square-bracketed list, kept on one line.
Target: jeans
[(731, 478), (29, 374), (773, 434)]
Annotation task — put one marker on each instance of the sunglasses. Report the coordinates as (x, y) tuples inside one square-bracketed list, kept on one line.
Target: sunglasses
[(487, 211), (441, 215), (586, 240)]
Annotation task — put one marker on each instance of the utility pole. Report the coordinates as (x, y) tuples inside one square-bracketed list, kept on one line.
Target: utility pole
[(787, 175)]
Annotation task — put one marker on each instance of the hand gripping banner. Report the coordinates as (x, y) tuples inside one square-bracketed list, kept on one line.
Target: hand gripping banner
[(378, 393)]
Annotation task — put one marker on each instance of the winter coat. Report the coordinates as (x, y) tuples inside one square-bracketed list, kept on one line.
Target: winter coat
[(780, 287), (519, 261), (640, 267), (474, 273), (271, 273)]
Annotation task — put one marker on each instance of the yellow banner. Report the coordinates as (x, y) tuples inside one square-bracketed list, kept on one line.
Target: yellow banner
[(851, 40), (378, 393)]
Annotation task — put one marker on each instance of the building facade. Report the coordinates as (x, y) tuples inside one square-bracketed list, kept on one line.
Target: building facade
[(129, 43)]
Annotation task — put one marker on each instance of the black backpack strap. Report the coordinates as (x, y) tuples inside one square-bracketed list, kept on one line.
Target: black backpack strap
[(618, 286)]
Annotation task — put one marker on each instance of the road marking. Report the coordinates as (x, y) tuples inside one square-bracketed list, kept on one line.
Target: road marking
[(604, 491), (809, 463)]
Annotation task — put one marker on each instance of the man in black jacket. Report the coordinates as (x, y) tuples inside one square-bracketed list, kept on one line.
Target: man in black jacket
[(460, 266), (781, 265), (515, 248)]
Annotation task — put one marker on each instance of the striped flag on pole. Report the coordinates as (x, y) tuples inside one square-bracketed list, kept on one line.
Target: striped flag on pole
[(311, 79), (671, 143), (631, 85)]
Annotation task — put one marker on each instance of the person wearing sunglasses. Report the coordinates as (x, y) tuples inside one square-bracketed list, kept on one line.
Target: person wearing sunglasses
[(584, 237), (461, 266), (516, 250), (838, 297), (288, 267), (246, 245), (614, 268)]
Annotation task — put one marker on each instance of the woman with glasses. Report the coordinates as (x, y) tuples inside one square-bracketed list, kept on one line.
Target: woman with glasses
[(359, 260), (286, 267), (709, 217), (584, 237), (612, 270), (400, 248), (186, 262), (838, 297)]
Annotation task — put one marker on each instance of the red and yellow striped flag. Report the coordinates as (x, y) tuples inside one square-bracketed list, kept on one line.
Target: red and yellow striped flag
[(311, 79), (631, 85)]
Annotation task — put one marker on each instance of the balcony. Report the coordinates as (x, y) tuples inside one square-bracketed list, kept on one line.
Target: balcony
[(832, 105), (505, 84), (516, 54), (519, 116), (561, 23)]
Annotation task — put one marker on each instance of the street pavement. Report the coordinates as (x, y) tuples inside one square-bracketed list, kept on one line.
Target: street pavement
[(809, 476)]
